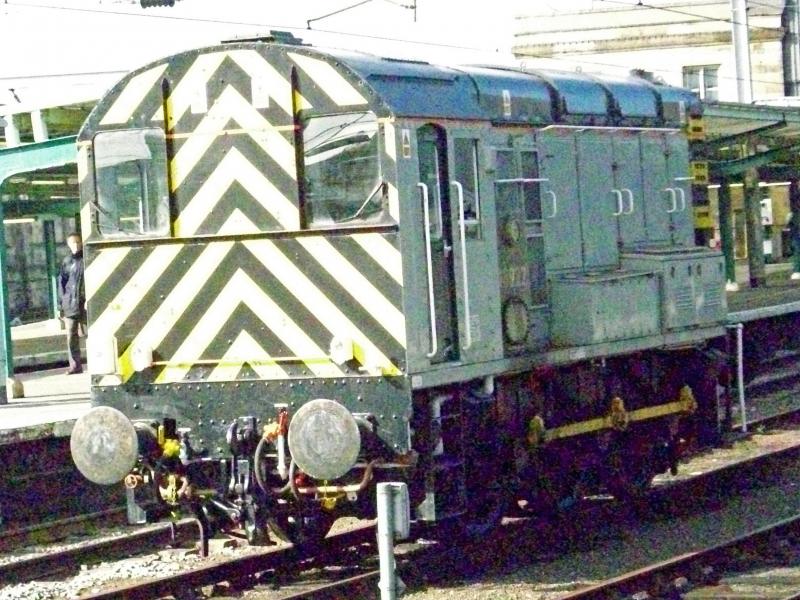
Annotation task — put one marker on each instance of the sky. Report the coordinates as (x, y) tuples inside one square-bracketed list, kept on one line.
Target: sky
[(85, 43), (78, 48)]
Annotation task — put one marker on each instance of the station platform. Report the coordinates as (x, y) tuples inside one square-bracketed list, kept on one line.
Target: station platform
[(52, 402), (52, 399), (780, 295)]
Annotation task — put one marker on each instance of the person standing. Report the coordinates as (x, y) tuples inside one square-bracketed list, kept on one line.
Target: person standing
[(72, 300)]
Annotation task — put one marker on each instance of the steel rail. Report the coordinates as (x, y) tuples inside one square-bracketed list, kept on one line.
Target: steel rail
[(705, 562), (235, 568), (50, 531), (70, 560)]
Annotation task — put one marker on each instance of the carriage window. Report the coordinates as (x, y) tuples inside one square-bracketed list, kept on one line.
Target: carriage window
[(131, 178), (343, 184), (466, 173)]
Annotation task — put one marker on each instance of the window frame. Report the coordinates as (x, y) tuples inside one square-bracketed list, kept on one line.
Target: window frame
[(152, 182), (378, 190), (704, 77)]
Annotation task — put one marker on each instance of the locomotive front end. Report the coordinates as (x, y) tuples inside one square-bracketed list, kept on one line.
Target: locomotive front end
[(245, 290)]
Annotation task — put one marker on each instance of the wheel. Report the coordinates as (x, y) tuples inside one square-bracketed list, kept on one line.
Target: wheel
[(630, 474), (486, 508), (301, 528)]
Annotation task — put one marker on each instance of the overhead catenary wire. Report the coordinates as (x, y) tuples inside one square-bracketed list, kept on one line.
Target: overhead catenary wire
[(640, 4), (439, 45)]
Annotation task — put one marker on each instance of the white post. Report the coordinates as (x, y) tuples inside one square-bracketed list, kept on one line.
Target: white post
[(39, 126), (11, 132), (741, 51), (393, 521), (739, 327)]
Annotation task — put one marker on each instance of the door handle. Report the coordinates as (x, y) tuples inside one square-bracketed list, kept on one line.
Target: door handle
[(674, 198), (620, 208), (554, 204), (682, 194), (630, 201)]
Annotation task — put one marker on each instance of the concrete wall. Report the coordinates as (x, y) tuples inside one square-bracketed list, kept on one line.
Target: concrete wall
[(28, 286)]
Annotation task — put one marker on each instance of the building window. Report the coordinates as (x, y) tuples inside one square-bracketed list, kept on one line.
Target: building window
[(702, 80)]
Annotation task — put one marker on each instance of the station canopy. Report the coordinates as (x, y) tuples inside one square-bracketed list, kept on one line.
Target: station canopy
[(38, 173), (739, 137)]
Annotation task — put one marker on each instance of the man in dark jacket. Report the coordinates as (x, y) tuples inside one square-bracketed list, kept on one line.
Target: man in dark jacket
[(72, 300)]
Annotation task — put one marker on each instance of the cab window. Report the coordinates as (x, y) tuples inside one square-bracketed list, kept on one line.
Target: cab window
[(131, 183), (342, 176)]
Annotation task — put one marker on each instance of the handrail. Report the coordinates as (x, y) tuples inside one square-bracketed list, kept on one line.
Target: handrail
[(523, 180), (431, 300), (682, 194), (555, 204), (464, 268)]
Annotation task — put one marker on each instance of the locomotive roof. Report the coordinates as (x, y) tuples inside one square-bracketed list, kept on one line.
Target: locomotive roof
[(407, 88), (416, 88)]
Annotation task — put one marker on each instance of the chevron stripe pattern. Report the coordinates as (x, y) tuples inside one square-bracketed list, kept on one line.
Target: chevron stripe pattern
[(241, 290)]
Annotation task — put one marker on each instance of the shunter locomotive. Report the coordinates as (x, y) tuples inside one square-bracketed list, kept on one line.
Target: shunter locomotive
[(309, 271)]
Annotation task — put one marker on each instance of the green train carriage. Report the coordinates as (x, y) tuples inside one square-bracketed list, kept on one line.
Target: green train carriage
[(309, 271)]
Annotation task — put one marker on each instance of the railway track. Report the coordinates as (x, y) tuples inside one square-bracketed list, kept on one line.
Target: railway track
[(412, 561), (675, 577), (336, 570), (268, 565), (59, 529), (71, 560)]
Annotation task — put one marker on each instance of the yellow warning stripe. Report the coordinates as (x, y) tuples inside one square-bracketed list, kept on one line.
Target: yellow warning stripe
[(389, 141), (238, 224), (241, 289), (102, 267), (232, 106), (228, 367), (175, 304), (86, 220), (326, 311), (235, 167), (329, 80), (258, 357), (641, 414), (131, 97), (358, 286), (263, 73), (186, 90), (394, 202), (131, 294), (384, 253), (227, 132)]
